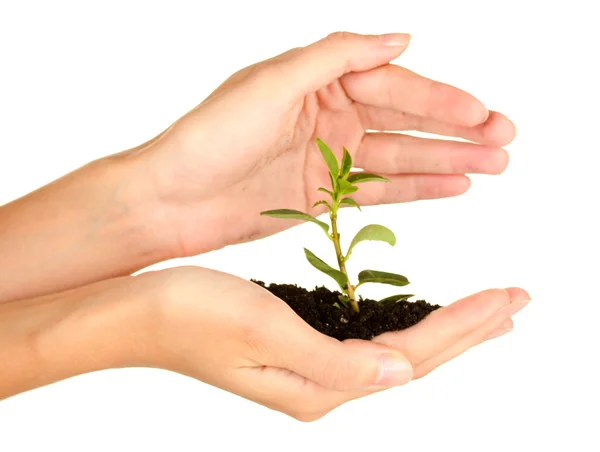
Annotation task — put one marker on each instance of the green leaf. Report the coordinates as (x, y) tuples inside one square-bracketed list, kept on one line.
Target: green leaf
[(346, 164), (334, 183), (339, 277), (366, 177), (345, 187), (350, 202), (322, 201), (337, 305), (395, 298), (344, 300), (374, 276), (373, 232), (329, 157), (324, 190), (295, 215)]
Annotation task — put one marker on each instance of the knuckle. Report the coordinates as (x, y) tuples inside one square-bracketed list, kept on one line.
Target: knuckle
[(347, 375), (436, 97), (339, 36)]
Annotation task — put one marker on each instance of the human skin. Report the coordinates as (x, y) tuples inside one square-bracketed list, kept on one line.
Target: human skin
[(68, 307), (249, 147), (232, 334)]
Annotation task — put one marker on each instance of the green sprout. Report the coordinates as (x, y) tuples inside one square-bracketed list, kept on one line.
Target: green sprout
[(343, 184)]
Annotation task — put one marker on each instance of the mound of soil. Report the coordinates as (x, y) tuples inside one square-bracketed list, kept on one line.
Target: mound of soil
[(316, 307)]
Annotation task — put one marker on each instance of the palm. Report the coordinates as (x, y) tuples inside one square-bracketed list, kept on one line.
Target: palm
[(259, 171), (297, 169)]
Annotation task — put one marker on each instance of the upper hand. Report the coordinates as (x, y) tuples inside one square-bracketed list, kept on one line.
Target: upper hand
[(250, 146)]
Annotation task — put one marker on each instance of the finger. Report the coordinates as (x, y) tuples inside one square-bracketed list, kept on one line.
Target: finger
[(283, 390), (290, 343), (317, 65), (444, 327), (499, 321), (399, 153), (399, 89), (503, 329), (497, 130), (411, 187)]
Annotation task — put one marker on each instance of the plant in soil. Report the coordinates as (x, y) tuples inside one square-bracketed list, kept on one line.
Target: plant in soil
[(343, 314)]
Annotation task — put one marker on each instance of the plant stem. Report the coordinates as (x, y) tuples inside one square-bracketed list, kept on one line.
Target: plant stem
[(340, 257)]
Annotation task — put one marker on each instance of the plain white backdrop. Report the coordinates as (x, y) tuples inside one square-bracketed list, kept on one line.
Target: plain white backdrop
[(80, 80)]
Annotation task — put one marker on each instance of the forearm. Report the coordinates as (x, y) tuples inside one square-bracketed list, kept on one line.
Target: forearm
[(54, 337), (92, 224)]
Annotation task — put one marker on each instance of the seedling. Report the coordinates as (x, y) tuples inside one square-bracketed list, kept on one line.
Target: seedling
[(343, 184)]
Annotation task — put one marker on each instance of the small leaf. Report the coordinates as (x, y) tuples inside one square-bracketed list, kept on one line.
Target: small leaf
[(334, 184), (296, 215), (366, 177), (329, 157), (374, 276), (373, 232), (324, 190), (344, 300), (350, 202), (345, 187), (322, 201), (337, 305), (395, 298), (339, 277), (346, 164)]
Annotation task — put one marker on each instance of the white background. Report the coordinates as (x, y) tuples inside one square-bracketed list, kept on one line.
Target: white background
[(82, 80)]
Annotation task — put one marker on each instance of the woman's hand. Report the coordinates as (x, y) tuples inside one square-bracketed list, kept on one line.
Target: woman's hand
[(250, 146), (235, 335), (230, 333)]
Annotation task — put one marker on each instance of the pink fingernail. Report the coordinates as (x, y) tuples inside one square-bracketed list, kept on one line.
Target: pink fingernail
[(394, 371), (395, 39)]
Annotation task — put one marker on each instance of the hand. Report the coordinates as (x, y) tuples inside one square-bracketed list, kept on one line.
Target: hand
[(237, 336), (250, 146), (230, 333)]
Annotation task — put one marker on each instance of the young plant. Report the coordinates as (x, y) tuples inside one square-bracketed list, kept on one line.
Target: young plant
[(343, 184)]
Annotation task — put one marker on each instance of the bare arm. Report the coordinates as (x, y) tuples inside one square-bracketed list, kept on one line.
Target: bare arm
[(232, 334), (89, 225), (200, 185), (54, 337)]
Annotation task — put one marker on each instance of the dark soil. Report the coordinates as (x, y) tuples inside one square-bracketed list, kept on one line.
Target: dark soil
[(317, 308)]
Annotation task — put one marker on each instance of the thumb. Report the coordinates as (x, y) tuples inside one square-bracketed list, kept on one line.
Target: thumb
[(318, 64), (342, 366)]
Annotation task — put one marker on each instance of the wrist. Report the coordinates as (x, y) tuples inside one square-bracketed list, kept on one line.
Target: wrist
[(54, 337), (180, 215), (134, 211)]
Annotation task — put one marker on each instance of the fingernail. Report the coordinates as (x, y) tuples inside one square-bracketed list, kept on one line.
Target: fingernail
[(394, 371), (506, 327), (513, 308), (395, 39)]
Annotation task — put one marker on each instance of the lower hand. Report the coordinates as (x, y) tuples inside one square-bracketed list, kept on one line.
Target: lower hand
[(235, 335), (250, 146)]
